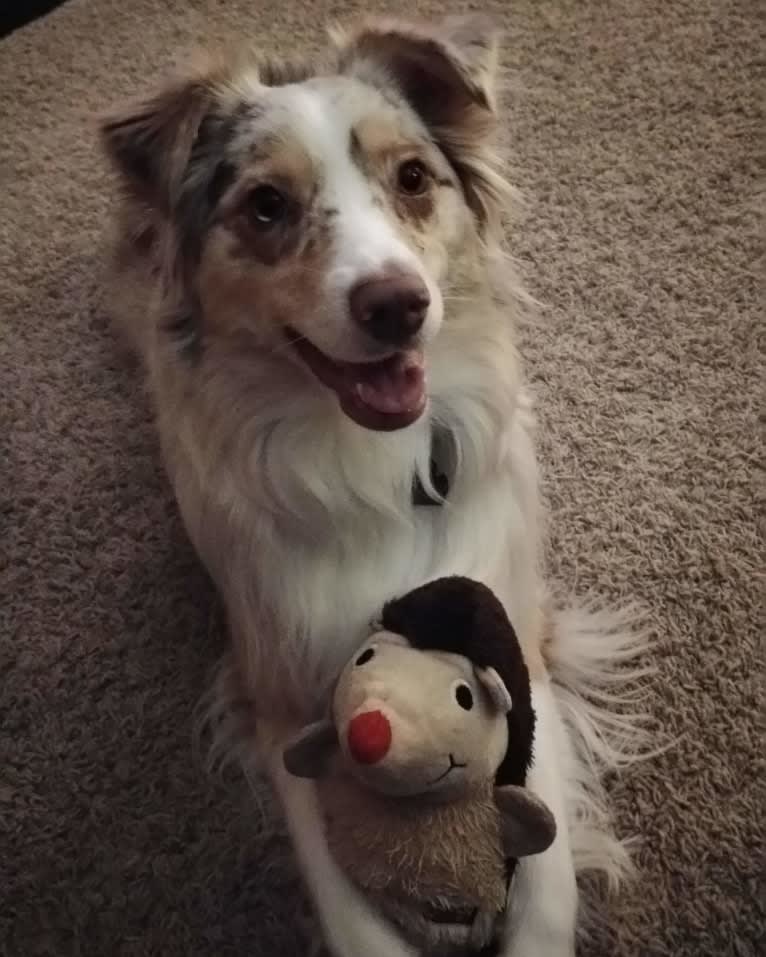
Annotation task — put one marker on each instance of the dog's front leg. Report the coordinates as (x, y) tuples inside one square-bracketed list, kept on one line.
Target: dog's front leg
[(542, 913), (350, 925)]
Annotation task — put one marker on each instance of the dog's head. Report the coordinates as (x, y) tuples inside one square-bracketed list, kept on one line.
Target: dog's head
[(325, 215)]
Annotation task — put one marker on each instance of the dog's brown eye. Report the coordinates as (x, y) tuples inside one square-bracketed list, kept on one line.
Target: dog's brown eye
[(266, 206), (464, 697), (413, 177), (367, 655)]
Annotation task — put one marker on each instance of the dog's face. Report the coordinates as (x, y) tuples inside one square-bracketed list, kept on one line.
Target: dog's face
[(324, 217), (334, 234)]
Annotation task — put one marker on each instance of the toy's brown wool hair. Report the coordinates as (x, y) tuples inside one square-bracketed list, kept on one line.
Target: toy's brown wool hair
[(462, 616)]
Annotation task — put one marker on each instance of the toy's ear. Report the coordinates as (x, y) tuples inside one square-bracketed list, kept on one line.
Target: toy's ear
[(494, 684), (528, 826), (309, 753)]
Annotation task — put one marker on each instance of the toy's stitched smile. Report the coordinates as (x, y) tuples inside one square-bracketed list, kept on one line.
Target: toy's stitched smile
[(452, 765)]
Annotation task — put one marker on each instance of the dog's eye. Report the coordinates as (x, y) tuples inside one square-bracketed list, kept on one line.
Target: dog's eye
[(367, 655), (412, 177), (464, 697), (266, 206)]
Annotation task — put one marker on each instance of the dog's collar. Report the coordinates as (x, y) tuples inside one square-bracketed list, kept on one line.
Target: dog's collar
[(439, 465)]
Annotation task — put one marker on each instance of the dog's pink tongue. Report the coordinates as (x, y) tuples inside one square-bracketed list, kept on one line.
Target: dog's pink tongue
[(394, 386)]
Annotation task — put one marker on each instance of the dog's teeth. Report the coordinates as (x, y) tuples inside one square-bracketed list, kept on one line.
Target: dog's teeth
[(364, 392)]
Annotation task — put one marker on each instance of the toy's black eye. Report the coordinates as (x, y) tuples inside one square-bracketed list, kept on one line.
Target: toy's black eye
[(365, 656), (412, 177), (464, 697), (266, 206)]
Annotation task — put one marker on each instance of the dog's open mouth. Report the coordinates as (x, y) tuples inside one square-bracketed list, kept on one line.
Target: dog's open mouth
[(384, 395)]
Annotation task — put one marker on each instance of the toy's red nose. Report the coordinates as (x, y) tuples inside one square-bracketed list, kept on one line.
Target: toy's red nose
[(369, 737)]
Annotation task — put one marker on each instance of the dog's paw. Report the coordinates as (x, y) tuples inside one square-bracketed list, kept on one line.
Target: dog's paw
[(536, 945), (363, 934)]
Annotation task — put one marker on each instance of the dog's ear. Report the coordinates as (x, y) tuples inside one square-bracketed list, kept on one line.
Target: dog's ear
[(448, 73), (309, 753), (150, 142)]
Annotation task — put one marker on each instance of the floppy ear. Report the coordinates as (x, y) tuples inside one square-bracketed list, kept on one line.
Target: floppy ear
[(495, 685), (528, 826), (311, 750), (150, 142), (448, 74)]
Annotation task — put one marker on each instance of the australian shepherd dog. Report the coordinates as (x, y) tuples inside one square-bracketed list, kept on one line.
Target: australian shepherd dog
[(310, 263)]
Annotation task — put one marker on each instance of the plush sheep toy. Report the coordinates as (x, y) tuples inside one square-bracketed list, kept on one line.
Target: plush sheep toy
[(421, 768)]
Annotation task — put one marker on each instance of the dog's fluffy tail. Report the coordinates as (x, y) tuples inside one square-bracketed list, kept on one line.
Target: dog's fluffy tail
[(597, 661)]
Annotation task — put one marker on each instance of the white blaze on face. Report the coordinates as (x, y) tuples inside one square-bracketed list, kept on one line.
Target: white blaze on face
[(366, 240)]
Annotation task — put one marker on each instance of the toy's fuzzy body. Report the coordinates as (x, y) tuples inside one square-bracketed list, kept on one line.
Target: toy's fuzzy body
[(397, 845)]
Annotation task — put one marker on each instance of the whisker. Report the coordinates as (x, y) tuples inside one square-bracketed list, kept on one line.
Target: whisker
[(288, 342)]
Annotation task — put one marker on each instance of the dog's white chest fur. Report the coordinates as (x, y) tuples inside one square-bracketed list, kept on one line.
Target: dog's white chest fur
[(303, 581)]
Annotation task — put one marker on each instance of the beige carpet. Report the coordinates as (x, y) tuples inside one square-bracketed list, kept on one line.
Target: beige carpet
[(635, 126)]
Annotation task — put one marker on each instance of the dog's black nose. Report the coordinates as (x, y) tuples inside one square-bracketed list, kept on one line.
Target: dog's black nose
[(391, 309)]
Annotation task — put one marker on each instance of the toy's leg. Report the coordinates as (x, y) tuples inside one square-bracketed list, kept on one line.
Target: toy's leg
[(542, 913), (351, 927)]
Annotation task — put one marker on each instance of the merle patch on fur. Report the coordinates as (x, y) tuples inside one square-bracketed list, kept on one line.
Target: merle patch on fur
[(184, 329), (208, 175)]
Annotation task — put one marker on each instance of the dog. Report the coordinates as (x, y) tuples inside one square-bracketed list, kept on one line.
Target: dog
[(310, 264)]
